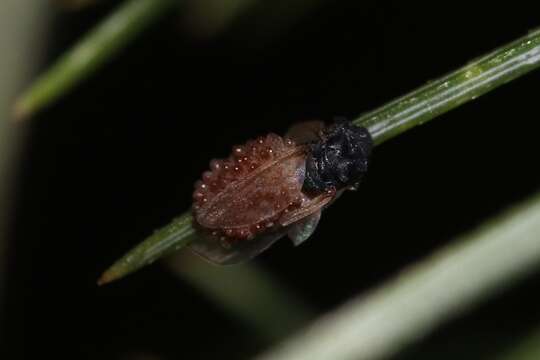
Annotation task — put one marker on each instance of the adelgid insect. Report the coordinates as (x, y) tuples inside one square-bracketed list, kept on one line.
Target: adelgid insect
[(275, 186)]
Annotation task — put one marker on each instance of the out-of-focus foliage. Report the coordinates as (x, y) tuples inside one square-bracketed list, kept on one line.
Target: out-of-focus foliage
[(76, 4), (378, 325), (23, 25)]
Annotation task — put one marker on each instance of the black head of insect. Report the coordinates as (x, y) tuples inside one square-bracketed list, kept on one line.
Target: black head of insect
[(339, 159)]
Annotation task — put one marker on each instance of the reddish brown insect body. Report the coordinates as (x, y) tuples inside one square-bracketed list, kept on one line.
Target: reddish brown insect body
[(248, 201), (248, 193)]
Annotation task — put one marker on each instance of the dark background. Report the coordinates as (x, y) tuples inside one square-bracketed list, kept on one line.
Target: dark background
[(117, 158)]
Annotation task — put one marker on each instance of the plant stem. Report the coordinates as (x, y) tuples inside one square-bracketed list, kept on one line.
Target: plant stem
[(419, 299), (177, 235), (426, 103), (94, 50), (461, 86), (526, 349), (22, 36)]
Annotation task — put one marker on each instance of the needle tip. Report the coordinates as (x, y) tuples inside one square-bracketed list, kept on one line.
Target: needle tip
[(106, 278)]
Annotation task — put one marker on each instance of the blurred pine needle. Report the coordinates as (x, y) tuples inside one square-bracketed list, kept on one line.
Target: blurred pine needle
[(23, 24), (526, 349), (248, 292), (406, 308), (118, 30), (90, 53)]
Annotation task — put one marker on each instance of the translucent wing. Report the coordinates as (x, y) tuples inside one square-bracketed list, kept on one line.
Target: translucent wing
[(305, 132), (302, 230), (216, 252)]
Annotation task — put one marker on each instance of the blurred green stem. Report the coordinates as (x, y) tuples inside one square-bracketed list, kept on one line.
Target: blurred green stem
[(377, 325), (526, 349), (479, 77), (246, 291), (98, 46), (24, 26)]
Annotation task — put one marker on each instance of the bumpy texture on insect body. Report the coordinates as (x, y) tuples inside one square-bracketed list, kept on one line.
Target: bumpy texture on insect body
[(247, 193), (339, 160), (271, 187)]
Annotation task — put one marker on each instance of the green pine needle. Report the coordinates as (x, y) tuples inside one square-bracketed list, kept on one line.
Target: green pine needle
[(420, 106)]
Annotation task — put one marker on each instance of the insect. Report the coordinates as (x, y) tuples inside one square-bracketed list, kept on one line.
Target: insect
[(274, 186)]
